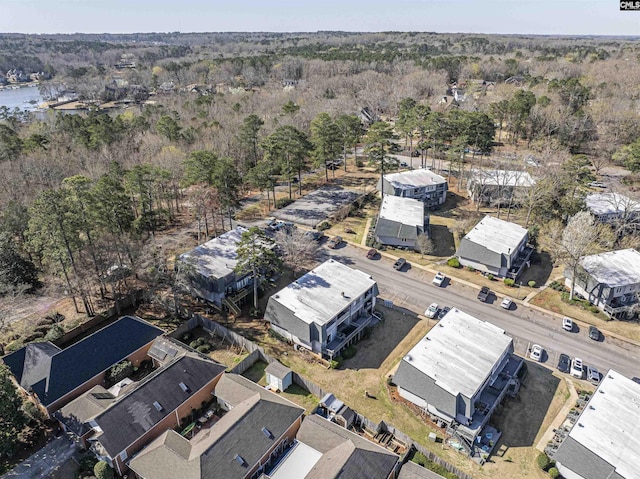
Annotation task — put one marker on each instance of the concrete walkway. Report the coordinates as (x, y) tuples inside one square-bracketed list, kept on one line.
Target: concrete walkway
[(560, 418), (363, 241), (45, 461)]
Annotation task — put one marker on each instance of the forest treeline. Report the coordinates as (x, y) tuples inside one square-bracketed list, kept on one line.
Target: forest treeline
[(83, 193)]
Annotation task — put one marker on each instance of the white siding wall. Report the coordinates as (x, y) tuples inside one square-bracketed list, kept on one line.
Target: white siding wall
[(412, 397), (567, 473)]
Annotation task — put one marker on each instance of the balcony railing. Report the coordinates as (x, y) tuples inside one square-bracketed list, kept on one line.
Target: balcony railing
[(346, 334)]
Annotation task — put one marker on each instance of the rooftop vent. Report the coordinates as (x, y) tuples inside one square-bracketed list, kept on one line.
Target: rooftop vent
[(184, 387), (158, 406), (267, 433), (601, 391), (580, 424), (240, 460), (591, 407)]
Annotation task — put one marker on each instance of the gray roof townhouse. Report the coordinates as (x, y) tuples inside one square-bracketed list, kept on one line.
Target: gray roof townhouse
[(458, 374), (604, 442), (495, 247), (614, 209), (422, 184), (325, 310), (400, 222), (324, 450)]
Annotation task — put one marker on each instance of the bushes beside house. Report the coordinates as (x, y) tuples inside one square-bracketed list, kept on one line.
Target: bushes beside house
[(509, 282), (118, 372), (453, 262)]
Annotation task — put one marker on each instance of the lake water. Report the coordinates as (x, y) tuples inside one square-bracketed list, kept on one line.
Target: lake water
[(25, 98)]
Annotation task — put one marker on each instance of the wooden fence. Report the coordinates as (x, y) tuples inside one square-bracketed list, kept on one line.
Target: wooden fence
[(258, 354)]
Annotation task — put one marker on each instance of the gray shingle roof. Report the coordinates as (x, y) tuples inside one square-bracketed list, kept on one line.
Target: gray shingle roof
[(53, 376), (413, 380), (135, 414), (580, 460), (211, 454), (345, 454), (395, 229), (277, 369), (411, 470)]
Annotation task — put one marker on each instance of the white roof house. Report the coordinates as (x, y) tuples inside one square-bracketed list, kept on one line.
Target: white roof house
[(323, 292), (502, 178), (408, 180), (605, 440), (497, 235), (217, 257), (614, 268), (460, 352), (403, 210), (610, 204)]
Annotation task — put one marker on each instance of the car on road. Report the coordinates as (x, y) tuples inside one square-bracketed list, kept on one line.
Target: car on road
[(506, 303), (439, 278), (567, 324), (597, 184), (315, 235), (576, 368), (334, 242), (536, 352), (403, 164), (484, 293), (398, 265), (593, 375), (594, 333), (432, 310), (372, 253), (564, 363), (443, 312)]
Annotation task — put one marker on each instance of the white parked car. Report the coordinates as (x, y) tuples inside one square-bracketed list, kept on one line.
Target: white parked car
[(506, 303), (536, 352), (432, 310), (576, 368), (439, 278), (567, 324)]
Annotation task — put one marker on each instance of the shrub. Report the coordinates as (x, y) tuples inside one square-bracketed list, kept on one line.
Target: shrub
[(453, 262), (249, 213), (593, 309), (255, 312), (118, 372), (532, 284), (87, 464), (56, 332), (470, 268), (282, 202), (197, 342), (490, 276), (553, 472), (55, 317), (335, 363), (543, 461), (277, 336), (204, 348), (102, 470), (323, 226), (509, 282), (186, 337), (349, 352)]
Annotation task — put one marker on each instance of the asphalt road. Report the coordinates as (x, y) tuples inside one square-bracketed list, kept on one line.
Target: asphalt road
[(412, 289)]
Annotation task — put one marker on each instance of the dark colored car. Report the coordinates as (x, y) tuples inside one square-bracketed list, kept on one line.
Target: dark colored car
[(442, 313), (594, 333), (314, 235), (334, 242), (372, 253), (400, 263), (564, 363), (483, 295)]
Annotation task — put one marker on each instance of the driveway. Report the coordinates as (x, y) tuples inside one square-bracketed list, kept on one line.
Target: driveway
[(45, 461), (412, 289)]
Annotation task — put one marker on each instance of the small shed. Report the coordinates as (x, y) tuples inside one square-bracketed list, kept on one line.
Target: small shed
[(337, 411), (279, 377)]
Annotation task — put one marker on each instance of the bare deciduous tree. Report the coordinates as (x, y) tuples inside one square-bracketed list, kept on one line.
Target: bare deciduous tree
[(424, 244), (582, 236), (297, 247)]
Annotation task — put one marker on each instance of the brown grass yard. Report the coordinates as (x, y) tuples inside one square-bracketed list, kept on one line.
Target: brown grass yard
[(542, 395)]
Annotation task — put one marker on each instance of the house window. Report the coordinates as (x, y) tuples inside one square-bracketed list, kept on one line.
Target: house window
[(123, 455)]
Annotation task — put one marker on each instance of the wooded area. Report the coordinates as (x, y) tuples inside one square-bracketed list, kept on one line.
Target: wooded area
[(83, 194)]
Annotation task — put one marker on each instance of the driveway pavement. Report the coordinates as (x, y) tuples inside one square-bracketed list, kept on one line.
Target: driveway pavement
[(45, 461), (412, 289)]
